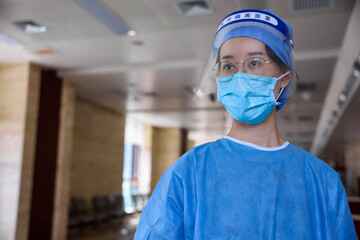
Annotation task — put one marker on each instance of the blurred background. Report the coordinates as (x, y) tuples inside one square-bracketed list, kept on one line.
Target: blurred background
[(96, 103)]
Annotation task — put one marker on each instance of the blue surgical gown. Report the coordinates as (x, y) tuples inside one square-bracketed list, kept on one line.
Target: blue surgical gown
[(231, 189)]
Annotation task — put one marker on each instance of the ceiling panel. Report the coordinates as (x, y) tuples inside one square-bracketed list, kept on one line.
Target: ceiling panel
[(317, 70), (310, 33), (198, 39), (139, 15)]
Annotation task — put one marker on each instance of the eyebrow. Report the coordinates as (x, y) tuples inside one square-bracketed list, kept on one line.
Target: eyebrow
[(249, 54), (256, 53)]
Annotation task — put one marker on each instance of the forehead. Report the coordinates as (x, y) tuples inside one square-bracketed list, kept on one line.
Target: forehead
[(242, 46)]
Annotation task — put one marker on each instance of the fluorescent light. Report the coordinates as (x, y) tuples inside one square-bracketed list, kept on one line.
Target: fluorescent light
[(95, 8), (306, 95), (356, 73), (35, 29), (342, 97)]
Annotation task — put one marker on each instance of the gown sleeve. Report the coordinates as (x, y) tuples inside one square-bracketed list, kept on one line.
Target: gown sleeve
[(162, 217), (339, 208)]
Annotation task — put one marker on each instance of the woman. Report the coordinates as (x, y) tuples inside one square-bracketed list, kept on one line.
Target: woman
[(251, 184)]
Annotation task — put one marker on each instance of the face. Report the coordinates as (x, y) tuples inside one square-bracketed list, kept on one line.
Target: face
[(239, 49)]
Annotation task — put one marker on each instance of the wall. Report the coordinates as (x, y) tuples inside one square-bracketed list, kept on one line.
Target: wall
[(19, 96), (98, 151), (166, 149)]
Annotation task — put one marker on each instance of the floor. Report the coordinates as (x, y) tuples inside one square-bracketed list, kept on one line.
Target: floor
[(123, 229)]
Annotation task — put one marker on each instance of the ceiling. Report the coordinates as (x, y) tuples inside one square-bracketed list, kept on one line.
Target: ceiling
[(151, 75)]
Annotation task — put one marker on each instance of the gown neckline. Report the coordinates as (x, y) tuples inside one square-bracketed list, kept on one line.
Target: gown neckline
[(284, 145)]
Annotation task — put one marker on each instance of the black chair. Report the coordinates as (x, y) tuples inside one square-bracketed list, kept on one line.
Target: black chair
[(79, 214), (83, 211), (73, 220), (117, 205), (102, 210)]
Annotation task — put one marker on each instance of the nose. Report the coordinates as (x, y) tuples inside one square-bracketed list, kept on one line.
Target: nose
[(239, 67)]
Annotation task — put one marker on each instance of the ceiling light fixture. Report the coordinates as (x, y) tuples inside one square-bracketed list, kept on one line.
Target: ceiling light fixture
[(306, 90), (102, 13), (131, 33), (30, 26), (300, 6), (194, 7)]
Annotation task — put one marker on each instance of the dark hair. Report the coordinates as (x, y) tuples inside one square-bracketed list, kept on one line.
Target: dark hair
[(272, 55)]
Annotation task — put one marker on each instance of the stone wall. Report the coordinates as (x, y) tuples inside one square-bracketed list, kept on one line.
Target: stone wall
[(98, 151)]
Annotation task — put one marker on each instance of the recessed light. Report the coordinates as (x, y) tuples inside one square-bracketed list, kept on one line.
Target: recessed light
[(190, 8), (30, 26), (131, 33)]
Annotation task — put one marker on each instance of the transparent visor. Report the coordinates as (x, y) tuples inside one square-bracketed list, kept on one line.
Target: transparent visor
[(255, 62)]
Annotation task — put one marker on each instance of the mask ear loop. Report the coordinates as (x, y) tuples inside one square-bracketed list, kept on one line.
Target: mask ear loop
[(283, 75), (278, 103), (282, 89)]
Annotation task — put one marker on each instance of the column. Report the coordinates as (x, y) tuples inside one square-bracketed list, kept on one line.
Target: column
[(19, 97), (64, 156), (167, 147)]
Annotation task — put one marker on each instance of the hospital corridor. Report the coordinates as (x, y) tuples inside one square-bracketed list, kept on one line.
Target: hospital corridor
[(179, 119)]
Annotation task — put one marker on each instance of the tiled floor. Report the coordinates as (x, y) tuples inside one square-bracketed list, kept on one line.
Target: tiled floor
[(116, 230)]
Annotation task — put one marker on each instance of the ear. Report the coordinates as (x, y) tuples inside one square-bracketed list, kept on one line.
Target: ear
[(285, 80)]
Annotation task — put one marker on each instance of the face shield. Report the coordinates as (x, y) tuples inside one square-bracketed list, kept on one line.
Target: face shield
[(262, 25)]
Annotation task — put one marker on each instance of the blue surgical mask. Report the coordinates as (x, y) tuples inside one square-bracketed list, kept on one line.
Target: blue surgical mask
[(248, 100)]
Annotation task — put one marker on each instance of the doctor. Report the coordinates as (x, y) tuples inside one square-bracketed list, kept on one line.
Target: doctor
[(250, 184)]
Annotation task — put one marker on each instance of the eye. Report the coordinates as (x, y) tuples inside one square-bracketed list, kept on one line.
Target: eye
[(255, 63), (227, 66)]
